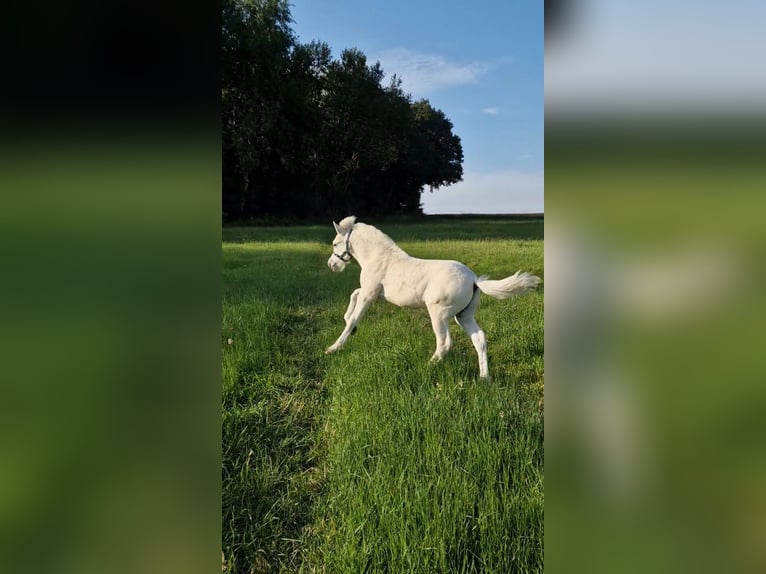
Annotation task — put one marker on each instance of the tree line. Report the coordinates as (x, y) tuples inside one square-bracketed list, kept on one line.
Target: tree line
[(306, 135)]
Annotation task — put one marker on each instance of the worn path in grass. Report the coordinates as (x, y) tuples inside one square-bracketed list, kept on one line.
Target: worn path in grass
[(373, 459)]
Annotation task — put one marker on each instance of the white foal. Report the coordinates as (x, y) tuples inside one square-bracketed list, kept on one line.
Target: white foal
[(446, 288)]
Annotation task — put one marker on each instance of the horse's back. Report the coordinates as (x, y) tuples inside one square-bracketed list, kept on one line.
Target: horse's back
[(414, 282)]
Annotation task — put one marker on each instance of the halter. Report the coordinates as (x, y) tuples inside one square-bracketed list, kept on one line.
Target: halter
[(346, 253)]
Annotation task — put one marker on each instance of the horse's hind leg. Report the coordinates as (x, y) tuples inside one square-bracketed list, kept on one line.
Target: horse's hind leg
[(440, 324), (478, 338)]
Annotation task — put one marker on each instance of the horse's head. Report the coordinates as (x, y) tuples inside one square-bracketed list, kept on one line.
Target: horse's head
[(342, 252)]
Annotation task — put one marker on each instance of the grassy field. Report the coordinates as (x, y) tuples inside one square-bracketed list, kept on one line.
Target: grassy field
[(374, 460)]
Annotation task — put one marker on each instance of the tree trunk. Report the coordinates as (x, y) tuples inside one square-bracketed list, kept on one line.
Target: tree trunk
[(244, 194)]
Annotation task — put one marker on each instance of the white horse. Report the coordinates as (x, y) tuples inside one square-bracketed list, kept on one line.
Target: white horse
[(446, 288)]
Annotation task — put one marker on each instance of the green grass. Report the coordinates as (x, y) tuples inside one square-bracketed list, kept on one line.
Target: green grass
[(374, 460)]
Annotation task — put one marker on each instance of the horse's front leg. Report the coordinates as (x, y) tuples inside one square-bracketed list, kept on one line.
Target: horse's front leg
[(360, 301), (351, 304)]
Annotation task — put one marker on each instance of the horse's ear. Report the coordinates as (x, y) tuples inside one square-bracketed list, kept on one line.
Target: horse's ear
[(337, 229)]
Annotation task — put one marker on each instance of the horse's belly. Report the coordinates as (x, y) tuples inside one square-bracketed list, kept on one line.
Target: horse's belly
[(403, 296)]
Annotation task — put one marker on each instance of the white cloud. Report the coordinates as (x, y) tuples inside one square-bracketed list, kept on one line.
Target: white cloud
[(423, 74), (494, 110), (508, 191)]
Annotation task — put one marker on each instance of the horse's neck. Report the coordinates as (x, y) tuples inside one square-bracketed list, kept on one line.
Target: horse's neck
[(377, 246)]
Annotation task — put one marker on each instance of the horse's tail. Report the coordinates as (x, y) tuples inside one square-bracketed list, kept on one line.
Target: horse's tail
[(517, 284)]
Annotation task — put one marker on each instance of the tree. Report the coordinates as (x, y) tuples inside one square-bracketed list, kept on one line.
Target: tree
[(256, 43), (438, 156), (306, 135), (364, 126)]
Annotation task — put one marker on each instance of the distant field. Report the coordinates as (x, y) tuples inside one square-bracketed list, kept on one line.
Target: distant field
[(374, 460)]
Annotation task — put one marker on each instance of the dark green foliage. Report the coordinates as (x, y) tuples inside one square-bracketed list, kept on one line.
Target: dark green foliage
[(305, 135)]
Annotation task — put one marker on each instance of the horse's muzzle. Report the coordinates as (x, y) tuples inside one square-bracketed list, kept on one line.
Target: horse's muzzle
[(335, 264)]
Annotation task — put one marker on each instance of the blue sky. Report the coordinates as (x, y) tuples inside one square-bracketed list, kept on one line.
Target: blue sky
[(692, 58), (480, 62)]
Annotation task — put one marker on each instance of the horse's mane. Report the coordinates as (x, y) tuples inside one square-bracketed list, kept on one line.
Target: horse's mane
[(370, 233), (376, 235)]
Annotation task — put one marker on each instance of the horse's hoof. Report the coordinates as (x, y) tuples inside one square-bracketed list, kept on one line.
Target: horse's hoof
[(353, 331)]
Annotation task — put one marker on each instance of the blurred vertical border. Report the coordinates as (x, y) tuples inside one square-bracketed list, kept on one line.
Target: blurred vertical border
[(655, 244), (110, 291)]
